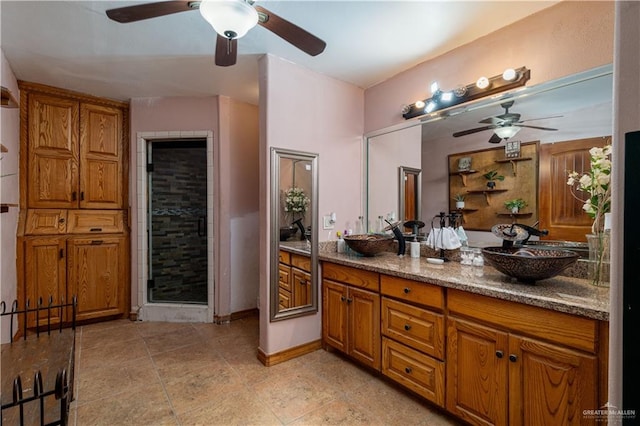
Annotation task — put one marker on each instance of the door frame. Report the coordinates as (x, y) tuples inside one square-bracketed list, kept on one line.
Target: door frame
[(172, 312)]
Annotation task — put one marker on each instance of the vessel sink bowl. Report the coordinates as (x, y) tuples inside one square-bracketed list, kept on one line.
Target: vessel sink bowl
[(528, 264), (581, 248), (368, 244)]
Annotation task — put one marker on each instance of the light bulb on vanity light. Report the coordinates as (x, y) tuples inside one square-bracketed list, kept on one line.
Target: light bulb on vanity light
[(509, 74), (419, 104), (482, 83)]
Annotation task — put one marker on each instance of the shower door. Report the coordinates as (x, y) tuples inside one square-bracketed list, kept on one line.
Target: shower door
[(177, 234)]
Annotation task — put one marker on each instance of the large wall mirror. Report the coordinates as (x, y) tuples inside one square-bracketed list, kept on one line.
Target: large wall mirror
[(578, 106), (294, 234)]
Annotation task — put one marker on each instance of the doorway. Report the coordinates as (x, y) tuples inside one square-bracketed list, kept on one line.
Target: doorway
[(175, 226), (177, 221)]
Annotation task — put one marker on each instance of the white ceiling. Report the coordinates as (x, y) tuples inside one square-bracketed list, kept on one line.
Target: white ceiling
[(72, 44)]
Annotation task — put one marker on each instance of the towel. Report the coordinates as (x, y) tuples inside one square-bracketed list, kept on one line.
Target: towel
[(444, 238), (461, 234)]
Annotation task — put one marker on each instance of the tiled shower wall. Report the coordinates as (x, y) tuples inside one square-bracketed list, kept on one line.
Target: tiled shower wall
[(179, 209)]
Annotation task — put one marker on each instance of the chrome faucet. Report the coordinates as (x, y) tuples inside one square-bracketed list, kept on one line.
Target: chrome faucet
[(531, 231)]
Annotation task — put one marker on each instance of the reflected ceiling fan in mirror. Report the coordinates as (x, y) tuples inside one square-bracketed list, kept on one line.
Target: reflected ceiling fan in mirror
[(231, 19), (505, 125)]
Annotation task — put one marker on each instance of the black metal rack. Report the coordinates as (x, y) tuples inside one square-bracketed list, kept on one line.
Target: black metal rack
[(27, 400)]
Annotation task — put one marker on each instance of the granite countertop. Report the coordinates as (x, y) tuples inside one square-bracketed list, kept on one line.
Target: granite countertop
[(298, 247), (564, 294)]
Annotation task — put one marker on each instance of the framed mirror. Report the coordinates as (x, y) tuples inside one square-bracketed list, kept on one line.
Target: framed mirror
[(294, 234)]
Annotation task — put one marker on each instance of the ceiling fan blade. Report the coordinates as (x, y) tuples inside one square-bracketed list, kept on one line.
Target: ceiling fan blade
[(292, 33), (534, 127), (470, 131), (226, 51), (495, 138), (540, 118), (492, 120), (140, 12)]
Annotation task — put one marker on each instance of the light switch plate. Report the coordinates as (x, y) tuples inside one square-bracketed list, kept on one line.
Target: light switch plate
[(326, 222)]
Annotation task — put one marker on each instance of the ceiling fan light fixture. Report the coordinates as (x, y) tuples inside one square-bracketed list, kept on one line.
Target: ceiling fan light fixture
[(229, 18), (506, 132)]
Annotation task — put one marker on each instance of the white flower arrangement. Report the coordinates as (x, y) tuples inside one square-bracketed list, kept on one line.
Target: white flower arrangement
[(596, 184), (295, 201)]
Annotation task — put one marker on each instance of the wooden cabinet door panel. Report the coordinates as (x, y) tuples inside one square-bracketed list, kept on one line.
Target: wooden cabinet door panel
[(101, 157), (477, 367), (560, 212), (550, 385), (364, 327), (45, 270), (334, 314), (96, 276), (52, 152), (301, 284)]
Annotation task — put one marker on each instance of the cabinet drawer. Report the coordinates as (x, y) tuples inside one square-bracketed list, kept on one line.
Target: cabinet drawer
[(412, 291), (301, 262), (95, 221), (284, 257), (355, 277), (414, 370), (46, 222), (415, 327), (284, 299), (284, 277), (566, 329)]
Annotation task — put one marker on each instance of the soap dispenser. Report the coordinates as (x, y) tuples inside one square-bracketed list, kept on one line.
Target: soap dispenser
[(414, 248)]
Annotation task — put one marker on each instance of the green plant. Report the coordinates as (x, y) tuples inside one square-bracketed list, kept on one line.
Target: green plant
[(459, 197), (493, 175), (517, 203)]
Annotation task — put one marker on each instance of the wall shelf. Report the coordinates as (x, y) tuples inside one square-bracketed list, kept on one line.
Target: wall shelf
[(486, 193), (463, 175), (514, 162), (8, 101), (514, 215)]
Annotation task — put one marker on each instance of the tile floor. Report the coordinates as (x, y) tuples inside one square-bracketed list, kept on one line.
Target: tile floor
[(144, 373)]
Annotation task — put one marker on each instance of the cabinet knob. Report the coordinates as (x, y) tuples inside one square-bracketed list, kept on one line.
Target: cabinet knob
[(61, 220), (513, 358), (407, 327), (407, 370), (499, 354), (342, 298), (407, 290), (349, 300)]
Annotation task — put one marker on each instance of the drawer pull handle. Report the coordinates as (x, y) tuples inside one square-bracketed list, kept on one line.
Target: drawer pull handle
[(407, 327), (499, 354), (61, 220), (61, 253), (513, 358), (82, 196), (95, 230), (74, 196), (96, 242), (407, 290), (407, 370), (303, 282)]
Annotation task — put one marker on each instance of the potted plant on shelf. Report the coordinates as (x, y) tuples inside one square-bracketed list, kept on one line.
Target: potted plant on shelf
[(459, 199), (492, 176), (515, 205)]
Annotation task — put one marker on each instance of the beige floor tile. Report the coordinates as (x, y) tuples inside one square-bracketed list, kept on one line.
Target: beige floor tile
[(100, 382), (112, 353), (340, 374), (129, 408), (99, 334), (158, 343), (198, 388), (338, 413), (185, 359), (294, 395), (152, 328), (241, 408)]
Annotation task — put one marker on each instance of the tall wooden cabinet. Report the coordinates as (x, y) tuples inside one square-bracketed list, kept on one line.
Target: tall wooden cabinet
[(73, 234)]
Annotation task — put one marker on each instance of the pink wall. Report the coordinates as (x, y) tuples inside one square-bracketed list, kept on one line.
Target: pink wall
[(558, 41), (9, 193), (306, 111)]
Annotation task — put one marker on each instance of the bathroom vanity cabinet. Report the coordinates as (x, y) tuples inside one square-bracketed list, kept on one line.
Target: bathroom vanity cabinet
[(486, 360), (294, 280)]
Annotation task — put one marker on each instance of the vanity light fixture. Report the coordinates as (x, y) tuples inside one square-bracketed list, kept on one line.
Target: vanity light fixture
[(509, 79)]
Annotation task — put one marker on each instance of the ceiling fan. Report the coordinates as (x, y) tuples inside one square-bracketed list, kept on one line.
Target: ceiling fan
[(504, 125), (231, 19)]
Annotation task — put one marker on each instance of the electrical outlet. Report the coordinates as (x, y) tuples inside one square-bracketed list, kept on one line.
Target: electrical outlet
[(326, 222)]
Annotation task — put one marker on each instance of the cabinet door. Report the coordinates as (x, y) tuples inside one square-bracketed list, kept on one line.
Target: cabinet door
[(550, 385), (101, 157), (45, 264), (96, 276), (334, 315), (52, 152), (364, 327), (301, 284), (477, 368)]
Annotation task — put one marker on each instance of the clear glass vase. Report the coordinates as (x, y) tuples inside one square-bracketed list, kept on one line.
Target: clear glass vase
[(599, 261)]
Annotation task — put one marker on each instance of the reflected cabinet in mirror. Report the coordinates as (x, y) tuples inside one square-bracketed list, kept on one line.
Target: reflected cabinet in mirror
[(294, 230)]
